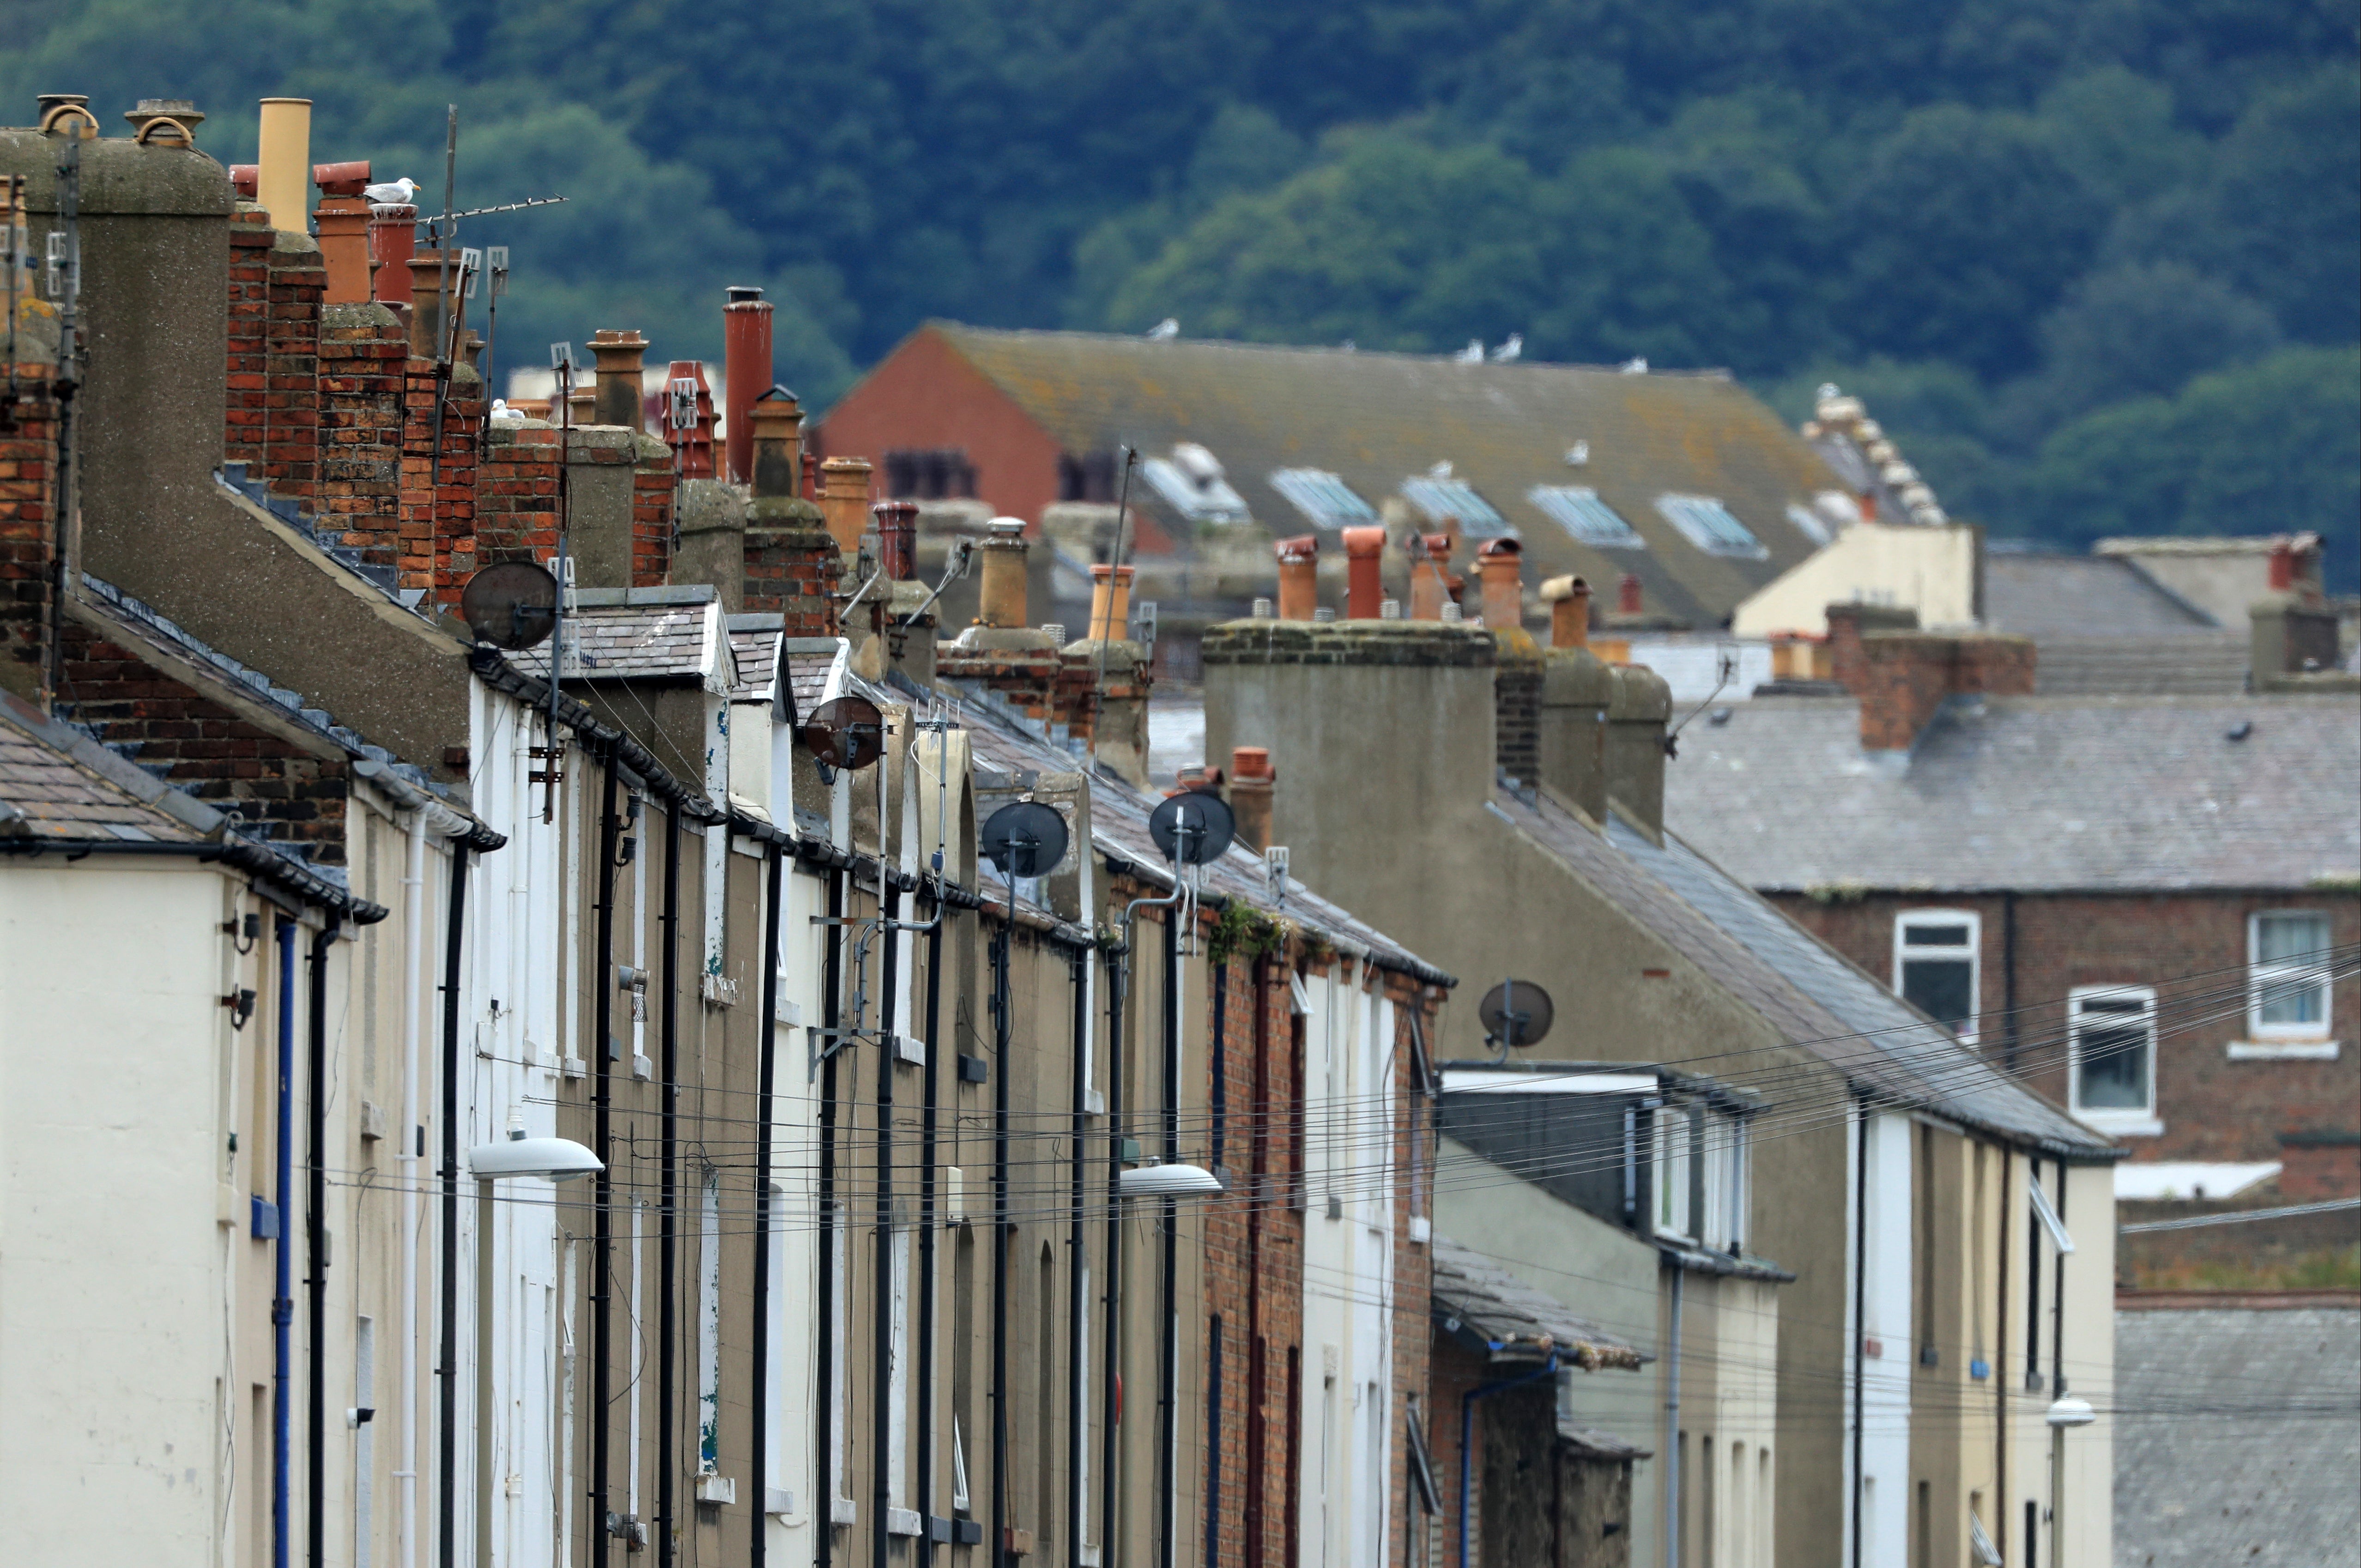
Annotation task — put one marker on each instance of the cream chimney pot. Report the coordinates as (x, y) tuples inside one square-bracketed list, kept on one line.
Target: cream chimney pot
[(283, 184)]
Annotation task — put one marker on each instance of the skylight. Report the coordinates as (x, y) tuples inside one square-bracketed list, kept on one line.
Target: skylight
[(1442, 497), (1323, 498), (1710, 526), (1193, 482), (1579, 510), (1808, 523)]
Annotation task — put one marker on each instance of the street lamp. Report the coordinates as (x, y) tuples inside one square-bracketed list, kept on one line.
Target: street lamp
[(552, 1159), (1168, 1182)]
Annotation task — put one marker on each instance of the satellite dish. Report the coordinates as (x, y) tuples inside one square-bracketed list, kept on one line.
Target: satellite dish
[(1193, 828), (1516, 1013), (510, 604), (848, 732), (1025, 838)]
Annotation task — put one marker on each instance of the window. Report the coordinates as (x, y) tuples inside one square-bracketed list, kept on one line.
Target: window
[(1323, 499), (1193, 482), (1710, 526), (2112, 1029), (1809, 523), (1579, 510), (929, 474), (1934, 966), (1672, 1172), (2287, 984), (1441, 498)]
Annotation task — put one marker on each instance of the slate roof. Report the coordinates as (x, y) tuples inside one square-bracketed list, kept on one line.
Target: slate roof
[(2046, 593), (1515, 1321), (2237, 1437), (815, 667), (2030, 794), (1375, 420), (1815, 999), (645, 634), (754, 647)]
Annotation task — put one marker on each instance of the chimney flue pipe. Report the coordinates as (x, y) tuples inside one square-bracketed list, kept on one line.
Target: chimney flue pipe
[(1430, 587), (746, 376), (1569, 602), (1110, 601), (844, 499), (1364, 587), (778, 429), (283, 164), (617, 394), (1252, 783), (1299, 577), (1501, 562), (393, 241), (1003, 590), (344, 219)]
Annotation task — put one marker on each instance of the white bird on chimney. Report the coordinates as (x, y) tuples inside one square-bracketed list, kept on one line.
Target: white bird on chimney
[(1473, 353), (1168, 327), (1510, 351), (390, 193)]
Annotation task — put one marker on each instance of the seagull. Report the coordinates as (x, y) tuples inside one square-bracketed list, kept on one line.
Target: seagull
[(1441, 470), (1473, 353), (1510, 351), (1168, 327), (1635, 367), (392, 193)]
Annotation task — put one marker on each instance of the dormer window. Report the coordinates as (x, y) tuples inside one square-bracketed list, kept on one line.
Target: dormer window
[(1441, 495), (1325, 501), (1709, 525), (1193, 482), (1586, 518)]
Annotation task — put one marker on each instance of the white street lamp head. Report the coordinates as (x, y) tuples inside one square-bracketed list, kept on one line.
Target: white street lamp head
[(1169, 1181), (2071, 1412), (553, 1159)]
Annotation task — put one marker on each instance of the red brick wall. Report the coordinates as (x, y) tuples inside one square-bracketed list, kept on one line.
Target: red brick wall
[(516, 502), (28, 452), (2192, 947), (438, 502), (1454, 1371), (1413, 1327), (291, 400), (244, 438), (653, 487), (363, 355), (206, 747)]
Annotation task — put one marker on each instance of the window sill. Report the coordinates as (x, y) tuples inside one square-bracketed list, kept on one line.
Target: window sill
[(2283, 1050), (2122, 1123), (903, 1522)]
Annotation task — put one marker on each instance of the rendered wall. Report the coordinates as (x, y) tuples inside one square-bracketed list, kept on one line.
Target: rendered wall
[(1937, 572)]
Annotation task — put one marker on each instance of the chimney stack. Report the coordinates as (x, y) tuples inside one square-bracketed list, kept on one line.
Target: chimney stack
[(1429, 580), (393, 240), (777, 421), (343, 221), (1364, 587), (897, 539), (1569, 602), (1000, 651), (1299, 577), (285, 164), (1252, 783), (427, 325), (844, 499), (1501, 560), (746, 375), (616, 398)]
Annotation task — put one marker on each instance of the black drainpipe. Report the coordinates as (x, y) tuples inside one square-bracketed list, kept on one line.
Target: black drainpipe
[(759, 1543), (1168, 1370), (823, 1399), (927, 1517), (447, 1458), (2008, 970), (315, 1415), (668, 1192), (1077, 1307), (1000, 1228), (602, 1197), (1112, 1296), (881, 1373)]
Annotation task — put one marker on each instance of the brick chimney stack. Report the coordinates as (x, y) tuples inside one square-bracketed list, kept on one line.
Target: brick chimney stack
[(393, 241), (1000, 651), (1631, 598), (344, 230), (1299, 577), (1364, 588), (790, 563), (616, 396), (1903, 677), (692, 448), (746, 376), (897, 539)]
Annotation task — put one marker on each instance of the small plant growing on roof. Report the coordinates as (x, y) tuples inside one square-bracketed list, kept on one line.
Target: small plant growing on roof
[(1242, 931)]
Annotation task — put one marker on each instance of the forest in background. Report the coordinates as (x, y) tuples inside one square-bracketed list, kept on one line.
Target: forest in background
[(2093, 262)]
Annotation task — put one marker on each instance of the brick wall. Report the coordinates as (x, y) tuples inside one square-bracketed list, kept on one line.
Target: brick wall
[(1903, 677), (516, 499), (287, 792), (28, 452), (291, 458), (1517, 688), (652, 487), (2192, 947), (363, 358), (245, 437), (438, 499), (793, 565), (1412, 1328)]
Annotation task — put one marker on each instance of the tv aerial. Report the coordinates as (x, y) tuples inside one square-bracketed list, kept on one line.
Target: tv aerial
[(1194, 828), (847, 732), (1515, 1013), (510, 604), (1023, 838)]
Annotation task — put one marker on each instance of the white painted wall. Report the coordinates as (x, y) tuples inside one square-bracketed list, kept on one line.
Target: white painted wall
[(1931, 570), (1884, 1379)]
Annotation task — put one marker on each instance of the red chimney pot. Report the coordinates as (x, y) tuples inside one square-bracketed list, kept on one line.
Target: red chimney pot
[(1629, 596), (1364, 586)]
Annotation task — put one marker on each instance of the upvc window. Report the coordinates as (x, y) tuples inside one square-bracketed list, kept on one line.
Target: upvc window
[(1673, 1172), (1937, 966), (1324, 498), (2112, 1030), (1710, 526), (2287, 980)]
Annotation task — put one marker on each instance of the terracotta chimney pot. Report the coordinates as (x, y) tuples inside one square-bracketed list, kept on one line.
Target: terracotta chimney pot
[(1252, 783), (778, 434), (1299, 577), (427, 326), (619, 354), (342, 220), (393, 243), (898, 538), (844, 499), (693, 448), (1110, 601), (1502, 561), (1002, 595), (1429, 588), (1629, 597), (1364, 588), (243, 177), (746, 375), (1569, 602), (2282, 566), (282, 160)]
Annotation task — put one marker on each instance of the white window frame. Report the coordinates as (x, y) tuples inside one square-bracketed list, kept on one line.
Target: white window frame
[(1973, 951), (2279, 974), (1439, 498), (1671, 1164), (1677, 509), (1586, 517), (2121, 1120), (1308, 490)]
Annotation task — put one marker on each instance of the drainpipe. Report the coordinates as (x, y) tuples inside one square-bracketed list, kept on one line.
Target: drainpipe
[(1168, 1356), (1000, 1228), (413, 1134), (1118, 972), (315, 1074), (668, 1226), (1673, 1429), (927, 1154), (759, 1541), (282, 1306), (447, 1456), (882, 1373), (1077, 1258), (602, 1232), (1467, 1436), (824, 1403), (1860, 1308)]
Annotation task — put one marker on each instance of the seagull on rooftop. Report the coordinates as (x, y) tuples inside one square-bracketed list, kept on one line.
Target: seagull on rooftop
[(1473, 353), (1168, 327), (1510, 351), (391, 193)]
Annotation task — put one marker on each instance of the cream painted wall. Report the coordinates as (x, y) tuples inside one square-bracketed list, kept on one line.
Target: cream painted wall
[(114, 1261), (1931, 570)]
